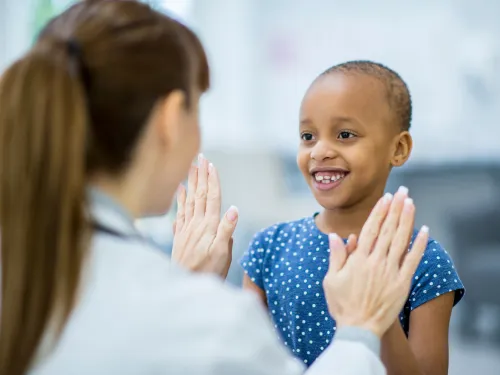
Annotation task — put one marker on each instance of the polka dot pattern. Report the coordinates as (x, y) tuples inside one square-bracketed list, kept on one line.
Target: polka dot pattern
[(289, 262)]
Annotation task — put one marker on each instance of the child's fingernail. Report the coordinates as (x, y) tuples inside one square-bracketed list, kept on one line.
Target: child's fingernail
[(388, 197), (403, 189), (232, 213)]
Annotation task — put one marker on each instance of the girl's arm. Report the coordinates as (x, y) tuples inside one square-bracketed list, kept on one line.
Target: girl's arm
[(425, 352), (250, 285)]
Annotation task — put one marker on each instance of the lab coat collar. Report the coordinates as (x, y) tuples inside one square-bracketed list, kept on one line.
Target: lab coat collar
[(108, 213)]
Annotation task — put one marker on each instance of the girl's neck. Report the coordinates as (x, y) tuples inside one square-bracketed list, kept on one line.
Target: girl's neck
[(346, 221)]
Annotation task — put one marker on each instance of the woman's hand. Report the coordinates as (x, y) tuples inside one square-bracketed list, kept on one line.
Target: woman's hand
[(202, 241), (369, 287)]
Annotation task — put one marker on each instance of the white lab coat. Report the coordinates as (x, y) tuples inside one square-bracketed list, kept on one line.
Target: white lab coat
[(139, 314)]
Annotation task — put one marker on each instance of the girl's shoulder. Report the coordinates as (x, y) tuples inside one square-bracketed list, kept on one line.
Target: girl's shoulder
[(435, 275), (432, 244)]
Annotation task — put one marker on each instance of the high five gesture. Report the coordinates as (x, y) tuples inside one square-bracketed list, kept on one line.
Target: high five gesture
[(202, 241)]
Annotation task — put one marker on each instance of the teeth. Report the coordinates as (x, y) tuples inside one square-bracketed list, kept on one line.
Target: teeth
[(328, 178)]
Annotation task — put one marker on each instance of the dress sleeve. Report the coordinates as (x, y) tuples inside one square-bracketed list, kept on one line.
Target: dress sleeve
[(435, 275)]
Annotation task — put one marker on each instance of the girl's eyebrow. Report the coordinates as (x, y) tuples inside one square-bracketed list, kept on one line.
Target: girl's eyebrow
[(334, 121), (343, 119)]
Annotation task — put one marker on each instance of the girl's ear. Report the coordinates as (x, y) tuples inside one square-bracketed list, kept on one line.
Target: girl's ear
[(402, 150)]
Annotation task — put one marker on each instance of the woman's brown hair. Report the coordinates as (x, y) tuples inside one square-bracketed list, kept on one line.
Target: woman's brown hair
[(76, 103)]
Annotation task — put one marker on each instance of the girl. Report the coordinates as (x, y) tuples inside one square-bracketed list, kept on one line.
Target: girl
[(354, 128)]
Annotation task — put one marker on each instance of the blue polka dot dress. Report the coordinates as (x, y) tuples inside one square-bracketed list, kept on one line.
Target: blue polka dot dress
[(289, 262)]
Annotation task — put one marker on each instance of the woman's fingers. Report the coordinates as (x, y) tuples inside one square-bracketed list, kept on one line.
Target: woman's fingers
[(399, 245), (213, 205), (200, 196), (181, 209), (222, 246), (338, 252), (352, 243), (227, 226), (414, 256), (390, 225), (371, 229), (191, 190)]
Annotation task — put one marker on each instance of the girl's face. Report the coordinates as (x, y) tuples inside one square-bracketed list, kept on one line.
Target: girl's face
[(347, 139)]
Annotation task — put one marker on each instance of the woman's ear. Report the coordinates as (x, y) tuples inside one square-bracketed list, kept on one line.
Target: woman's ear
[(402, 150), (168, 116)]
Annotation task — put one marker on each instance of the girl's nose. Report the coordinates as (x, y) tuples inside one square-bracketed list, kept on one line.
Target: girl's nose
[(322, 151)]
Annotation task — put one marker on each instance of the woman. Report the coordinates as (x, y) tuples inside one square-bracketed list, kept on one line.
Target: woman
[(98, 126)]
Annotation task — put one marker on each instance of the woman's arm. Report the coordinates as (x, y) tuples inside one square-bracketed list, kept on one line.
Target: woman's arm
[(246, 344), (425, 352), (350, 342)]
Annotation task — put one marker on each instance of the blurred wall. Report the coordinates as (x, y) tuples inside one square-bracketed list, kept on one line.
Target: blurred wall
[(15, 29)]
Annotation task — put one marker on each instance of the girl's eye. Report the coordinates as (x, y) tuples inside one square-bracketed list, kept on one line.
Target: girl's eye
[(306, 137), (346, 135)]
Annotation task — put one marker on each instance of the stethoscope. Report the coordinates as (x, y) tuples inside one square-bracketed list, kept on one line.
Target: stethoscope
[(100, 228)]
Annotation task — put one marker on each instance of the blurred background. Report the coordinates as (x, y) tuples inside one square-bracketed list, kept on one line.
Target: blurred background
[(264, 54)]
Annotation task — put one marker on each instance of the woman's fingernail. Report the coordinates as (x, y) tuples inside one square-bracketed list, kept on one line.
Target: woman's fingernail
[(200, 158), (403, 189), (333, 237), (232, 213), (388, 197), (210, 168), (408, 201), (424, 229)]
